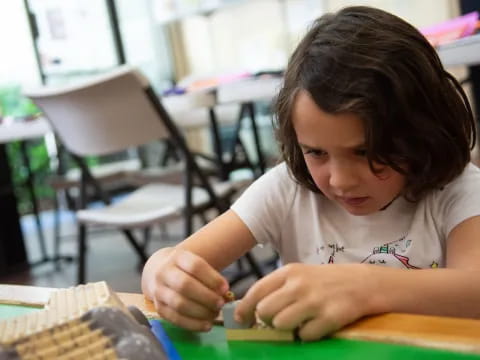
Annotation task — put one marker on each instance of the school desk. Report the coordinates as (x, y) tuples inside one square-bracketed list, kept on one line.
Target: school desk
[(213, 345)]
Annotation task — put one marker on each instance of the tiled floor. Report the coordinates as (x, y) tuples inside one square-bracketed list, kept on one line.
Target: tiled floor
[(110, 257)]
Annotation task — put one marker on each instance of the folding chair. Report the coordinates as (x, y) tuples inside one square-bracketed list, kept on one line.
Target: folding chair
[(112, 113)]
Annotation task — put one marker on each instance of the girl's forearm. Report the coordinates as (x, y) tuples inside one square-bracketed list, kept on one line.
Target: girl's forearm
[(447, 292)]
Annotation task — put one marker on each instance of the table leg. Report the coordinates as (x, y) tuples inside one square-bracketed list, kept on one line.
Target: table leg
[(33, 199), (261, 160)]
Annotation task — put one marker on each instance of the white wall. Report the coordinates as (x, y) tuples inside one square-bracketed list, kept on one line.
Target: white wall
[(17, 65), (418, 13), (260, 34)]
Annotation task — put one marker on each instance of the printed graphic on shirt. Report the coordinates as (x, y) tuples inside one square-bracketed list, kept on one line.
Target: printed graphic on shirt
[(388, 254), (335, 249)]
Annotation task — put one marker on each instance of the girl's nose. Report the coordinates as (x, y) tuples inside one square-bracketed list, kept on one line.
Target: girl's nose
[(342, 178)]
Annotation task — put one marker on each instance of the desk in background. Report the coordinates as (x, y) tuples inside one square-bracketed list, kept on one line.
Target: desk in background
[(244, 92)]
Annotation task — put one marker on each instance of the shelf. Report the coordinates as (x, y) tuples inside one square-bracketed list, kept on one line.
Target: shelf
[(204, 8)]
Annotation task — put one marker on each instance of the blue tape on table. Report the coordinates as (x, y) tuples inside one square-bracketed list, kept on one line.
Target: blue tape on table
[(162, 336)]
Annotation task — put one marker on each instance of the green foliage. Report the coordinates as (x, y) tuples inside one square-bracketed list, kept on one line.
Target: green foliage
[(13, 104), (16, 106), (39, 163)]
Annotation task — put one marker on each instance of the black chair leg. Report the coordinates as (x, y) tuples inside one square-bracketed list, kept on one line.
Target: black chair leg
[(56, 233), (82, 248), (147, 236), (138, 248), (254, 265), (241, 274)]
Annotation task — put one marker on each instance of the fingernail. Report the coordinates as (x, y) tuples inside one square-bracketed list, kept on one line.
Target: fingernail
[(238, 318), (223, 288), (207, 327), (220, 304)]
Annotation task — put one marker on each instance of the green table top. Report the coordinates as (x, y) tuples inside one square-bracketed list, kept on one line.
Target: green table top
[(213, 345)]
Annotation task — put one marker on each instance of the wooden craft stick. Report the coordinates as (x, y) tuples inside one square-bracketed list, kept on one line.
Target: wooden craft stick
[(146, 306), (455, 334), (25, 295), (258, 332), (253, 334)]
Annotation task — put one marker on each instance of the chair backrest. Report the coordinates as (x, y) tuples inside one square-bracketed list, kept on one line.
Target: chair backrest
[(102, 116)]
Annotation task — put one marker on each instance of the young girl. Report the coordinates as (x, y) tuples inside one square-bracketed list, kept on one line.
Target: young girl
[(376, 138)]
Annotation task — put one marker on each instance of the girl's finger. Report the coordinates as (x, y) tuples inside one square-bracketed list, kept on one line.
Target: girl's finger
[(199, 268), (292, 316), (187, 285), (316, 328), (245, 311), (184, 305), (186, 322), (273, 303)]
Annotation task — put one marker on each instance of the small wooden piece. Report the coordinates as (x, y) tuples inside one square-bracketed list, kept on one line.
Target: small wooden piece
[(229, 296), (140, 301), (258, 332)]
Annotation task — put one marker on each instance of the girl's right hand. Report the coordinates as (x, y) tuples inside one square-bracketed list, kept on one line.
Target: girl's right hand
[(185, 289)]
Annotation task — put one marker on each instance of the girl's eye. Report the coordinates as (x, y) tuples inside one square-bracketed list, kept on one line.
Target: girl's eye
[(361, 152), (315, 153)]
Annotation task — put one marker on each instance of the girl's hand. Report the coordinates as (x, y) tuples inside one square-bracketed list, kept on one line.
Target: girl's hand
[(186, 290), (316, 299)]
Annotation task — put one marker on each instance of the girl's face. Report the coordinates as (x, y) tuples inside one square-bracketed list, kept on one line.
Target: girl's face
[(335, 153)]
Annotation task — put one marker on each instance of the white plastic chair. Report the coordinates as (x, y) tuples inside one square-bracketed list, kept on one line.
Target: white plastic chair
[(112, 113)]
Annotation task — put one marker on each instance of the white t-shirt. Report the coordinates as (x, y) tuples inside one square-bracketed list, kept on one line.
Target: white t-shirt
[(307, 227)]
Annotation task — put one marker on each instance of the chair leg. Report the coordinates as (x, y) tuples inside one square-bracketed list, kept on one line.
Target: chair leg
[(254, 265), (260, 158), (243, 274), (164, 235), (204, 218), (56, 233), (138, 248), (240, 265), (147, 236), (82, 248), (188, 225)]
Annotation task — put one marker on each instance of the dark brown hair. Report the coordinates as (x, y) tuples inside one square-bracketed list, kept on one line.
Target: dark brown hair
[(371, 63)]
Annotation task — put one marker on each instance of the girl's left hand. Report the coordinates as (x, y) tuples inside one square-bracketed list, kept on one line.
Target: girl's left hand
[(318, 299)]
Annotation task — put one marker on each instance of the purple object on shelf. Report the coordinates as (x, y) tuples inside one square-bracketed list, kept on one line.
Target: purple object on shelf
[(453, 29), (174, 91)]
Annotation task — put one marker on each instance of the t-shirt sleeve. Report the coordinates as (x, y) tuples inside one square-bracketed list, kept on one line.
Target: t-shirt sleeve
[(460, 199), (264, 205)]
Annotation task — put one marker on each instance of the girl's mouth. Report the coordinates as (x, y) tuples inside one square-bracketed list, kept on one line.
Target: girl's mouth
[(354, 201)]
